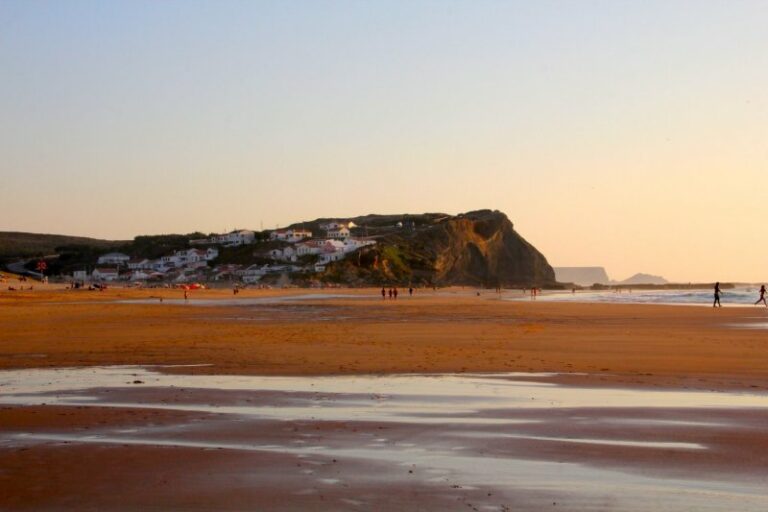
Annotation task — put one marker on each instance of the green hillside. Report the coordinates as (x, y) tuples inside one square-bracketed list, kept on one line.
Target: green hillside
[(29, 245)]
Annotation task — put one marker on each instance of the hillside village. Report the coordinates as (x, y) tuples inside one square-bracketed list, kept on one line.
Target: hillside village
[(480, 247), (285, 251)]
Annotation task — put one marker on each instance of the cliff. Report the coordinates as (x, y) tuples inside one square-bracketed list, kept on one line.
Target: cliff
[(475, 248), (583, 276)]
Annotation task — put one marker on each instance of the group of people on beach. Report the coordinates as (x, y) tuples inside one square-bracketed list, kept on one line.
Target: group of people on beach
[(392, 292)]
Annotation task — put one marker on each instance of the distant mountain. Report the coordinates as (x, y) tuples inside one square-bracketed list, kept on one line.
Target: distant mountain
[(641, 278), (582, 276)]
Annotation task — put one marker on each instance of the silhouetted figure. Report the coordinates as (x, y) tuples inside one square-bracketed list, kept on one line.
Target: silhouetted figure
[(390, 293), (394, 292), (762, 297), (410, 291), (383, 293), (186, 295), (716, 303)]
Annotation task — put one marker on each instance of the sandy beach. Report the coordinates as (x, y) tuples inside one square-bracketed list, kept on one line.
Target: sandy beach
[(640, 397), (354, 331)]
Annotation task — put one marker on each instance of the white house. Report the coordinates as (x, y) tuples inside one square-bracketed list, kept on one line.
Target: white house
[(188, 256), (105, 274), (333, 245), (114, 258), (253, 273), (290, 235), (331, 252), (236, 238), (159, 265), (328, 257), (339, 233), (231, 239), (309, 247), (289, 254), (192, 255), (139, 264), (284, 254), (304, 248), (174, 260)]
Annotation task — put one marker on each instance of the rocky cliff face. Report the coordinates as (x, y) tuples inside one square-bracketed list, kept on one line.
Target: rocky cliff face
[(583, 276), (475, 248)]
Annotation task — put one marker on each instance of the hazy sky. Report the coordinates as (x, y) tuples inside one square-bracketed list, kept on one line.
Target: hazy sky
[(632, 135)]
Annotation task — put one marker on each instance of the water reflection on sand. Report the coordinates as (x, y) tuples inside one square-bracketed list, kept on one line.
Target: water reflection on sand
[(592, 448)]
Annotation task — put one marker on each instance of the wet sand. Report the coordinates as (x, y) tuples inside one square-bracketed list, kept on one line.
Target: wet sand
[(141, 442), (436, 442)]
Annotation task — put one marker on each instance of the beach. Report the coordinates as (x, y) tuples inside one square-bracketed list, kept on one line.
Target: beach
[(295, 399), (350, 331)]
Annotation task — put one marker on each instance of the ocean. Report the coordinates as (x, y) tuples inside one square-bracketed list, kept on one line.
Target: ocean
[(702, 297)]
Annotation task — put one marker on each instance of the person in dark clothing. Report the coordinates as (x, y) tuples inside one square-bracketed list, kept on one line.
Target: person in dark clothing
[(716, 303), (762, 296), (410, 291), (383, 293)]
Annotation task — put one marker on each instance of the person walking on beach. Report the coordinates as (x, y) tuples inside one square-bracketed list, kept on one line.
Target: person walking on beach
[(410, 291), (394, 292), (762, 297), (383, 293), (390, 293), (716, 303)]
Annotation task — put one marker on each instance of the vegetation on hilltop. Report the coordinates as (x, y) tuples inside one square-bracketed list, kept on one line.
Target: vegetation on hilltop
[(31, 245)]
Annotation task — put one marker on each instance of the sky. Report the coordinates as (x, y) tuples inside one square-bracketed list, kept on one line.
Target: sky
[(627, 134)]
